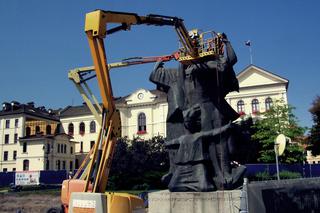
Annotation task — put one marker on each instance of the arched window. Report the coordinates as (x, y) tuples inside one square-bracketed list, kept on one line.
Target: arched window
[(92, 127), (48, 130), (65, 148), (28, 131), (25, 165), (71, 150), (70, 129), (255, 105), (142, 127), (37, 129), (268, 103), (82, 128), (240, 107)]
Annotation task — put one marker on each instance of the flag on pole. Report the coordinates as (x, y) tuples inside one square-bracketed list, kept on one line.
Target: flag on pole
[(248, 43)]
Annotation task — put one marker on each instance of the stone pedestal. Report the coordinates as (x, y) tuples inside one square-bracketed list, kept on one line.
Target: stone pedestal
[(194, 202)]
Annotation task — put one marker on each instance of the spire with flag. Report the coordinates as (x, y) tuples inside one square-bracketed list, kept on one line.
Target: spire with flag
[(248, 43)]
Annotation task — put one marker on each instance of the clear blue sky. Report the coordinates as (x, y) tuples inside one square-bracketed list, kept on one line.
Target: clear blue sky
[(41, 40)]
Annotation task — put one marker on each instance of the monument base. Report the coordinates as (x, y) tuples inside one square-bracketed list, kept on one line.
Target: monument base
[(194, 202)]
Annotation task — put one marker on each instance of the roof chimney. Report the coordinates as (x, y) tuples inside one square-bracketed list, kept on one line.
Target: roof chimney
[(15, 105), (6, 106)]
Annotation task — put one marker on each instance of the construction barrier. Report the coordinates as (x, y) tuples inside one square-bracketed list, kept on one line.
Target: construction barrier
[(56, 177)]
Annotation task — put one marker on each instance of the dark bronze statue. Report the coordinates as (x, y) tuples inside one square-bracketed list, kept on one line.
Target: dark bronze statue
[(199, 123)]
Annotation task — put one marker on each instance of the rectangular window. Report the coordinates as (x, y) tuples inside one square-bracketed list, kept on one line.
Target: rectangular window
[(63, 165), (15, 138), (7, 124), (5, 169), (58, 164), (5, 155), (14, 155), (6, 139), (16, 123), (47, 165), (58, 148), (81, 146), (24, 148), (71, 166), (48, 148)]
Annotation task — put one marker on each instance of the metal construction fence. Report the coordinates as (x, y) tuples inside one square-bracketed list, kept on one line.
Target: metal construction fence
[(46, 177), (56, 177), (305, 170)]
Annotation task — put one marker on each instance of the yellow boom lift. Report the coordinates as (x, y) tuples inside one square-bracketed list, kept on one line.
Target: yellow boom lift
[(85, 192)]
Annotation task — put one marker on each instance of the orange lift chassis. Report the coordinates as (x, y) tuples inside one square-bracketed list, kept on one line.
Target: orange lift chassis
[(87, 193)]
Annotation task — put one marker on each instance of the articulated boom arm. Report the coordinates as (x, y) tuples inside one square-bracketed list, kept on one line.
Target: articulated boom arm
[(97, 21)]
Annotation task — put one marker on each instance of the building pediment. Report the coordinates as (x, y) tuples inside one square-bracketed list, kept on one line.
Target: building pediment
[(255, 76), (140, 96)]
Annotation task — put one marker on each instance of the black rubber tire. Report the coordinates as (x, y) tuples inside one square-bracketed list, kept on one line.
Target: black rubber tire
[(55, 210)]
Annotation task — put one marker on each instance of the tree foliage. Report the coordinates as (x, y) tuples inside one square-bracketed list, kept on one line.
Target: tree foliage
[(279, 120), (315, 130), (138, 164)]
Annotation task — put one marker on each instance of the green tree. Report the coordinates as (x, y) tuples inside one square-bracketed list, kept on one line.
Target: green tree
[(315, 130), (279, 120), (138, 164)]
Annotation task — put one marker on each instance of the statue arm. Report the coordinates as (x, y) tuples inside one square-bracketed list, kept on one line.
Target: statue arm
[(161, 76)]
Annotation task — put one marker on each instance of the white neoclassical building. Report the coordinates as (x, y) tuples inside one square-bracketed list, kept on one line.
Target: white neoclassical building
[(259, 88)]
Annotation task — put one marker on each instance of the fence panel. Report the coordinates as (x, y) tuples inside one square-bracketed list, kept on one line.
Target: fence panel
[(53, 177), (6, 178)]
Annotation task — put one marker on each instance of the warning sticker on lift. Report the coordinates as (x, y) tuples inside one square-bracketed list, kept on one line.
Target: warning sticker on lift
[(84, 206)]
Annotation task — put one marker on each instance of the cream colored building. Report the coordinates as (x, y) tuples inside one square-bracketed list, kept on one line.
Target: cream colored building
[(312, 159), (78, 122), (46, 152), (259, 88), (25, 133)]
